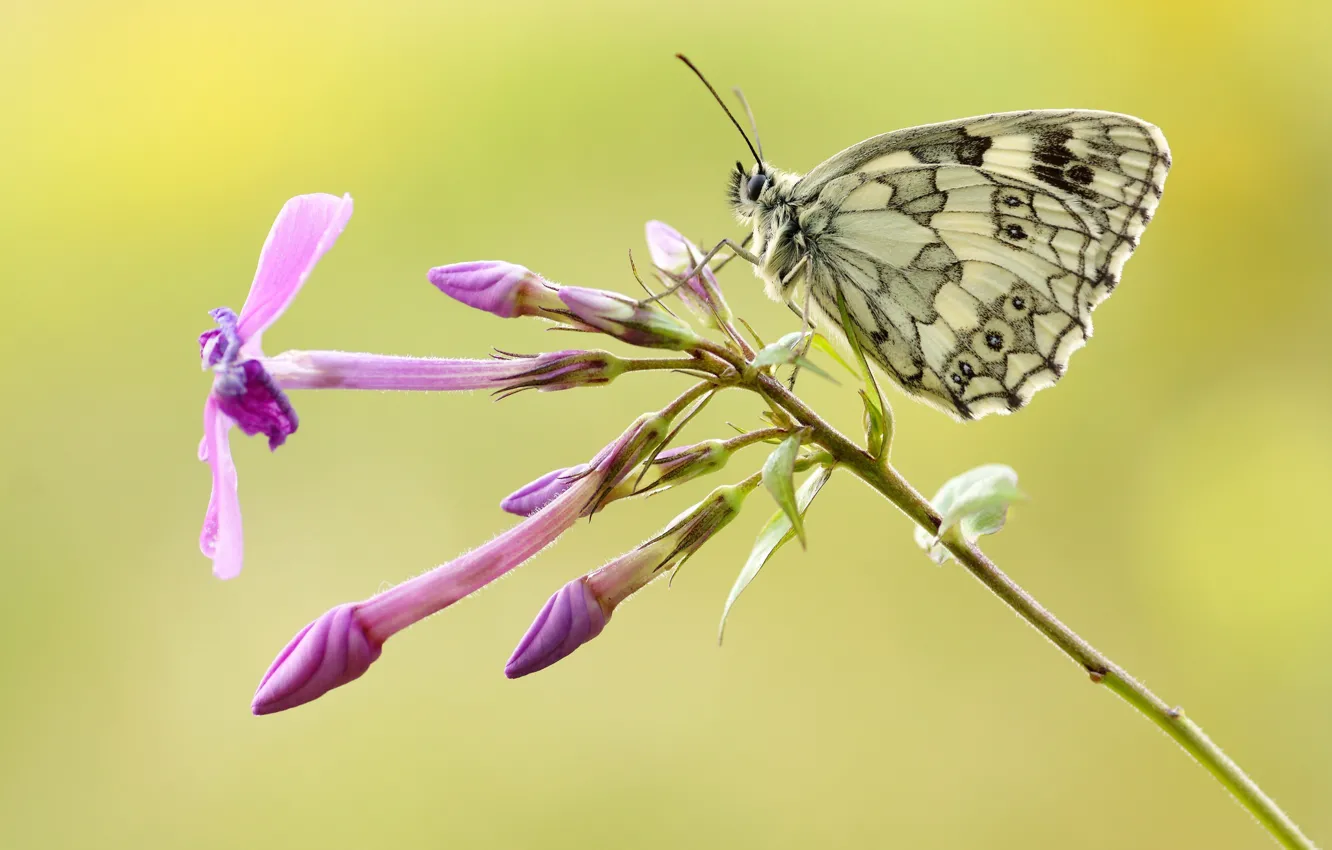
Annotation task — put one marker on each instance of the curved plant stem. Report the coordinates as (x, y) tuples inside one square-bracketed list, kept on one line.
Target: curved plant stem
[(888, 482)]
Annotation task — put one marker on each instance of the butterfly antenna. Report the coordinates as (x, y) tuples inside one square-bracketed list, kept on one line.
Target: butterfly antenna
[(753, 125), (722, 103)]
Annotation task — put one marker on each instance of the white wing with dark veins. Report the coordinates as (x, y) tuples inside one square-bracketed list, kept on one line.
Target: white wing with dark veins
[(971, 254)]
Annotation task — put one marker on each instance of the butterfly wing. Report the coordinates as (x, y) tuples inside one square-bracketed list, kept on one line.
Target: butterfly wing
[(971, 254)]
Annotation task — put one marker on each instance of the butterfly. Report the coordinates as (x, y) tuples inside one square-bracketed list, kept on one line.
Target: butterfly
[(967, 257)]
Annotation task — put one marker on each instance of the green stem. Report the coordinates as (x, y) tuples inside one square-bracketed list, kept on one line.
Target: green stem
[(888, 482), (1191, 737), (681, 364)]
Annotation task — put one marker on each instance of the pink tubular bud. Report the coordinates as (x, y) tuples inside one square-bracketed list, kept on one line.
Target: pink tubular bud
[(580, 610), (501, 288), (531, 498), (570, 618), (627, 320), (328, 653)]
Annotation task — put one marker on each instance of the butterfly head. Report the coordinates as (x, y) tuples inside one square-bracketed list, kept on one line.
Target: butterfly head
[(746, 187)]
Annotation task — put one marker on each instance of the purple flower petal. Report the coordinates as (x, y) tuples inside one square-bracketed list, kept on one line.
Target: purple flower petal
[(256, 403), (212, 347), (503, 289), (221, 538), (328, 653), (222, 343), (531, 498), (570, 618), (672, 251), (305, 229)]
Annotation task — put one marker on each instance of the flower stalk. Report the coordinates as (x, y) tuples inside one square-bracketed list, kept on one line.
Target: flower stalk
[(889, 483), (338, 647)]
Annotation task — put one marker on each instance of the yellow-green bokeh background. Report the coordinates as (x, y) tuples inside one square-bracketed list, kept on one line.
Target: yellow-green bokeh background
[(1178, 478)]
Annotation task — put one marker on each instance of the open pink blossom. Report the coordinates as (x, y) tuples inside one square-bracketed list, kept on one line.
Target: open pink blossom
[(243, 393)]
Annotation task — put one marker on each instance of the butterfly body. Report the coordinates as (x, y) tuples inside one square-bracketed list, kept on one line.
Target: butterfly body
[(968, 255)]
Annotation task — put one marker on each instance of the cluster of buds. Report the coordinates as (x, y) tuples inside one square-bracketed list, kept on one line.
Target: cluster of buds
[(249, 390)]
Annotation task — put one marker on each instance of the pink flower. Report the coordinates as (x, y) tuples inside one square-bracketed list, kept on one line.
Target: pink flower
[(530, 498), (508, 373), (580, 610), (677, 255), (504, 289), (340, 646), (243, 393), (569, 619)]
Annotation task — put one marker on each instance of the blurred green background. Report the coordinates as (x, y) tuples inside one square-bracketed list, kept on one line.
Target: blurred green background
[(1178, 478)]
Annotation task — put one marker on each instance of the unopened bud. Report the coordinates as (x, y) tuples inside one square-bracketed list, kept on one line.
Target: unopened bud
[(627, 320)]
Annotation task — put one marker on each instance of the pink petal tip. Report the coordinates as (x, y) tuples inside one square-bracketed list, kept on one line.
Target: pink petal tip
[(328, 653), (531, 498), (502, 289), (570, 618)]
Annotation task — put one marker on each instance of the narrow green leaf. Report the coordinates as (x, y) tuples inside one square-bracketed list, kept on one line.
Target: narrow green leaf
[(871, 384), (779, 478), (806, 363), (774, 535), (874, 425), (976, 501), (822, 344)]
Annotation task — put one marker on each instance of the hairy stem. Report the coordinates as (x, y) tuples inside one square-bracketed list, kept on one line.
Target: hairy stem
[(684, 364), (888, 482)]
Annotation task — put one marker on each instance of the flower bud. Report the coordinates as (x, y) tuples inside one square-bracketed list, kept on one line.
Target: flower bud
[(328, 653), (678, 465), (627, 320), (531, 498), (570, 618), (677, 255), (564, 370), (501, 288), (580, 610), (633, 447)]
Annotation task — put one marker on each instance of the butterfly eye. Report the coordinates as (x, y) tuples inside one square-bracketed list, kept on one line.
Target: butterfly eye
[(755, 186)]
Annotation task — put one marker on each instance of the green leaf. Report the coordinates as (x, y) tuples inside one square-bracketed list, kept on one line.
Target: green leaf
[(976, 502), (774, 535), (875, 429), (822, 344), (777, 353), (879, 443), (783, 352), (779, 478)]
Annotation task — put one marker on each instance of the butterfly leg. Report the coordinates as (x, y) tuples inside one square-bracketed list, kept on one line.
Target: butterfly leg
[(744, 243), (806, 334), (682, 279)]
